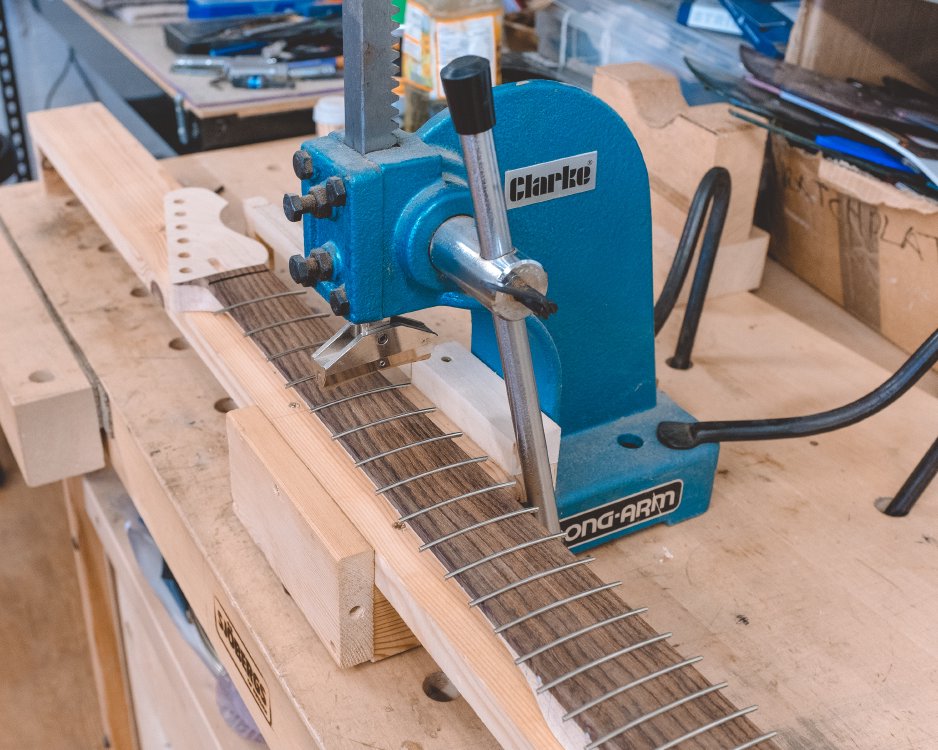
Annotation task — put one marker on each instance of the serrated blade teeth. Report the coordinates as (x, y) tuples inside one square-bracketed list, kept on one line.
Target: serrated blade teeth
[(369, 36)]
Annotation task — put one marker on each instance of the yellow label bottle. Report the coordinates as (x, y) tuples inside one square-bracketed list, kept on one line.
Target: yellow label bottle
[(436, 32)]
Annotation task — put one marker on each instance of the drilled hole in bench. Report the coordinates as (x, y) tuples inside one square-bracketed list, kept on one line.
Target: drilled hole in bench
[(182, 226), (185, 269), (106, 247), (182, 255), (225, 405), (182, 240), (356, 613), (138, 291), (72, 202), (437, 687), (179, 344), (41, 376)]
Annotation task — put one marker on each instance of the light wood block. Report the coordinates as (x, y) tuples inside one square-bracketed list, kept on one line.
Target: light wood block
[(473, 397), (47, 405), (680, 143), (322, 559)]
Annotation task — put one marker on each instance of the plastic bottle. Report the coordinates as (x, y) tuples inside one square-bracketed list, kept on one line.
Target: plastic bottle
[(436, 32), (329, 114)]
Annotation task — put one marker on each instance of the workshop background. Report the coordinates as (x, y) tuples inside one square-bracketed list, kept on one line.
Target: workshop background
[(833, 220)]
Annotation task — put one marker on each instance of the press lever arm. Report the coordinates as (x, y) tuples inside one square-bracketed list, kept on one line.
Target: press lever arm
[(467, 83)]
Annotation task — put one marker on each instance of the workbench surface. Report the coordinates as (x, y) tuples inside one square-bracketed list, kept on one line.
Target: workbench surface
[(793, 587), (145, 47)]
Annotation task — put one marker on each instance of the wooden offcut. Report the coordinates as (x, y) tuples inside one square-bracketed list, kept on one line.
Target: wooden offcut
[(680, 144), (47, 404), (322, 559)]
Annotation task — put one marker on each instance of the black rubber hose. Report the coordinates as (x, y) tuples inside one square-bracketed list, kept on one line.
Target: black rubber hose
[(714, 189), (684, 435), (921, 476)]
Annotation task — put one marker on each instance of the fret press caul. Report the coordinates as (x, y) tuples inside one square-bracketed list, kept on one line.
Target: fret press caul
[(538, 224)]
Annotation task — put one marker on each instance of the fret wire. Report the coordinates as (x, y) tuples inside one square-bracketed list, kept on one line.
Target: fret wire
[(554, 605), (479, 525), (295, 349), (756, 741), (404, 519), (382, 389), (704, 729), (430, 473), (502, 553), (299, 381), (653, 714), (577, 633), (247, 302), (530, 579), (603, 659), (240, 275), (623, 688), (385, 454), (359, 428), (279, 323)]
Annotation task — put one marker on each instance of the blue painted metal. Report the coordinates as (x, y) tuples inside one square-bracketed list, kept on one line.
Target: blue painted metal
[(594, 359)]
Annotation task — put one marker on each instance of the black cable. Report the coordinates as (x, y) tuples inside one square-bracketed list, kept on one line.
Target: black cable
[(47, 104), (684, 435), (915, 485), (85, 79), (70, 61), (713, 195)]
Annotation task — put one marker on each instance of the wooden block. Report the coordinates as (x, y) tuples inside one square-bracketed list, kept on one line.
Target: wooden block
[(68, 142), (474, 398), (681, 143), (47, 405), (739, 266), (322, 559)]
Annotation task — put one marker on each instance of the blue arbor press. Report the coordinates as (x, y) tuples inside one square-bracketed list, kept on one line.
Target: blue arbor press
[(397, 222)]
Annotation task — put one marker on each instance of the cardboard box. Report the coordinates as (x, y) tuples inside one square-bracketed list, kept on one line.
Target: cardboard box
[(862, 242), (868, 40)]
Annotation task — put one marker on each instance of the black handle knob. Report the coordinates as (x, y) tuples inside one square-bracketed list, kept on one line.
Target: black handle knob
[(467, 83)]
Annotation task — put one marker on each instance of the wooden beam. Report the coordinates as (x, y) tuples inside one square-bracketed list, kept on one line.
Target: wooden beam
[(300, 528), (47, 405)]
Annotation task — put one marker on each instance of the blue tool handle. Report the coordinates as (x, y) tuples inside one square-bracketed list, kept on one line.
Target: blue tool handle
[(863, 151), (467, 83)]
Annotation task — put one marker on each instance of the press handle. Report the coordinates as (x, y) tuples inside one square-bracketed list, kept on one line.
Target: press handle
[(467, 83)]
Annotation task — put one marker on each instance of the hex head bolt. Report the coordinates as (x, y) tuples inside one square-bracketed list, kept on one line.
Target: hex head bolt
[(318, 202)]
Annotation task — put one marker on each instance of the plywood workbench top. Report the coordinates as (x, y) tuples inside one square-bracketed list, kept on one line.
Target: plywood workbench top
[(793, 587)]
